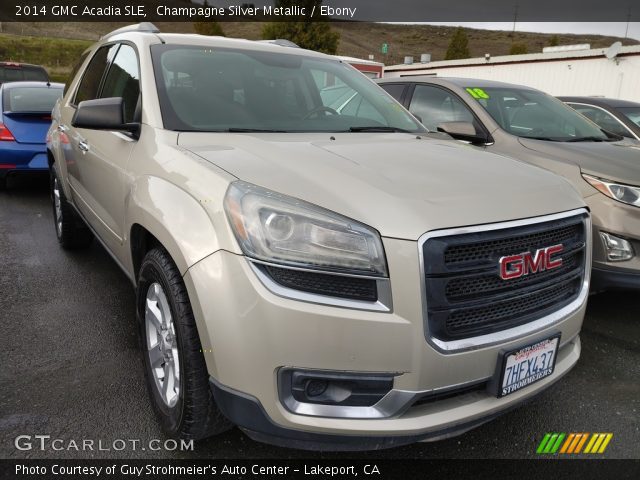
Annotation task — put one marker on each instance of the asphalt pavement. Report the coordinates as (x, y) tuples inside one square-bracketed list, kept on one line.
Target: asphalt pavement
[(70, 367)]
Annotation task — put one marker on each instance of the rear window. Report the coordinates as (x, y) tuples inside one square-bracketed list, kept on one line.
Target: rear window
[(31, 99), (9, 73)]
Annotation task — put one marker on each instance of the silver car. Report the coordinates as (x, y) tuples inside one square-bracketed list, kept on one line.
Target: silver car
[(536, 128)]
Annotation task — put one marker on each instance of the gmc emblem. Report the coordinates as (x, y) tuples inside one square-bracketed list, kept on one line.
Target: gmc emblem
[(516, 266)]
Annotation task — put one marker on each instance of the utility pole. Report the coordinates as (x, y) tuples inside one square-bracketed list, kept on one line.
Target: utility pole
[(515, 19), (626, 32)]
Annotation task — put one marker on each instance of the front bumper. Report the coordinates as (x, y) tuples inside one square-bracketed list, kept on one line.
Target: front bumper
[(249, 414), (248, 334)]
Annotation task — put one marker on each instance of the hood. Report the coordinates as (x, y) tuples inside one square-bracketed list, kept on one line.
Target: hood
[(619, 161), (399, 184)]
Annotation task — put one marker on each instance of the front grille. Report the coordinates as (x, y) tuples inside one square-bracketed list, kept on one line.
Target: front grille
[(473, 252), (465, 295), (325, 284)]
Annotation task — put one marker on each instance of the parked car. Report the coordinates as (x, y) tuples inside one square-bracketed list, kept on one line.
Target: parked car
[(26, 117), (20, 72), (322, 280), (534, 127), (621, 117)]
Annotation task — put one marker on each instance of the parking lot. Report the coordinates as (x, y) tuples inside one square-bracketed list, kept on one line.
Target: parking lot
[(71, 367)]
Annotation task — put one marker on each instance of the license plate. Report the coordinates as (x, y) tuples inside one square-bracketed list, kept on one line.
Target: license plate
[(527, 365)]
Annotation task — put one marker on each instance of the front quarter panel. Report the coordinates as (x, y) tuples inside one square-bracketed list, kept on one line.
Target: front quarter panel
[(178, 198)]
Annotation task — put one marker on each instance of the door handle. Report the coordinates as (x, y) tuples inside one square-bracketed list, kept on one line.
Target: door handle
[(84, 146), (62, 128)]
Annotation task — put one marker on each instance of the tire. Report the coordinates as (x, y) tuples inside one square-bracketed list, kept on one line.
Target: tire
[(3, 182), (71, 231), (183, 401)]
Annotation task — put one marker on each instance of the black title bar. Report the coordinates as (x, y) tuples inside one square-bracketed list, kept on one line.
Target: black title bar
[(314, 10)]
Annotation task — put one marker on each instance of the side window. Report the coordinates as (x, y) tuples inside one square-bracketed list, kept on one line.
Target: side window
[(435, 105), (123, 80), (603, 119), (74, 72), (90, 83), (393, 89)]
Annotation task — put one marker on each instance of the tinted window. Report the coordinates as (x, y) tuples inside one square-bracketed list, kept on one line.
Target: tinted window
[(632, 113), (123, 80), (602, 118), (19, 73), (90, 83), (74, 71), (436, 105), (31, 99), (393, 89), (206, 89)]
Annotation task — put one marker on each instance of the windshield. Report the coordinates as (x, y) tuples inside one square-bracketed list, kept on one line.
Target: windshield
[(632, 113), (31, 99), (216, 89), (533, 114)]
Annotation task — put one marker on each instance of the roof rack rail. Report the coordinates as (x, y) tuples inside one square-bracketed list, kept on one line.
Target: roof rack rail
[(143, 27), (281, 41)]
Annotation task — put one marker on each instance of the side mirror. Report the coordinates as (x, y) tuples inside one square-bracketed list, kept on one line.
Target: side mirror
[(462, 131), (103, 114)]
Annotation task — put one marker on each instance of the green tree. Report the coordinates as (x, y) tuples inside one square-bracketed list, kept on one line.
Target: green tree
[(554, 41), (459, 46), (518, 48), (206, 27), (306, 33)]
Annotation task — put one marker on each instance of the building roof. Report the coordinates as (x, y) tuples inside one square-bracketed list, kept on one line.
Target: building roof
[(525, 58)]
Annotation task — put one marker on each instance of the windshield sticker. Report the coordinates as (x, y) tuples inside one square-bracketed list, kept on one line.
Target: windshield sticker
[(477, 93)]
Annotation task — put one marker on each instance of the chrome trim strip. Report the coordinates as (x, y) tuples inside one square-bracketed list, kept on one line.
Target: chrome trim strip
[(316, 270), (394, 403), (383, 285), (505, 336)]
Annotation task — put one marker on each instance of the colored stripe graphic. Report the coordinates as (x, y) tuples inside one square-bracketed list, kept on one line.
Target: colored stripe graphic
[(572, 443), (581, 443)]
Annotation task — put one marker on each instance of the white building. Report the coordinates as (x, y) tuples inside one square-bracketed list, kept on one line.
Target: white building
[(574, 72)]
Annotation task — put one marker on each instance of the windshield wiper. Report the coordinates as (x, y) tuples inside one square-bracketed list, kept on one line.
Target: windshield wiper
[(548, 139), (589, 139), (380, 128), (254, 130)]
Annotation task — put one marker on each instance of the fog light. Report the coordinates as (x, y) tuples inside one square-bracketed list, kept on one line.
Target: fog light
[(618, 249), (315, 388), (333, 388)]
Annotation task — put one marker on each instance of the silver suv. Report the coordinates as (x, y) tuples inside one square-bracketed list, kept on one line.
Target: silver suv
[(322, 279)]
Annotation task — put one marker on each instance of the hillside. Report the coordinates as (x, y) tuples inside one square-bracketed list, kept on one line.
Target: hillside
[(49, 44)]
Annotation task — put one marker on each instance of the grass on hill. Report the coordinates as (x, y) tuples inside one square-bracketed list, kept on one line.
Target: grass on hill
[(58, 45)]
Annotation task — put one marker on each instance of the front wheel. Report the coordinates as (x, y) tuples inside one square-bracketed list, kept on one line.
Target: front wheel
[(175, 369)]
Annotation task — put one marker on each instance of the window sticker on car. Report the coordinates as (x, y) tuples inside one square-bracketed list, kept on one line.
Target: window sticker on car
[(477, 93)]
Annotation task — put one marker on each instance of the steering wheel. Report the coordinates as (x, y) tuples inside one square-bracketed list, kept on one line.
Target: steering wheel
[(320, 109)]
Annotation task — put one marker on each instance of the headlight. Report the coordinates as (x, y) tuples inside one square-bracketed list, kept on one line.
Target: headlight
[(275, 228), (617, 191)]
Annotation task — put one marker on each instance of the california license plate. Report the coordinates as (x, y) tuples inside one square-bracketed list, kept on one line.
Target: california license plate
[(528, 365)]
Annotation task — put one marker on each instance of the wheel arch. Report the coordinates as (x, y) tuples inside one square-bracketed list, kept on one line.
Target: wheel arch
[(161, 214)]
